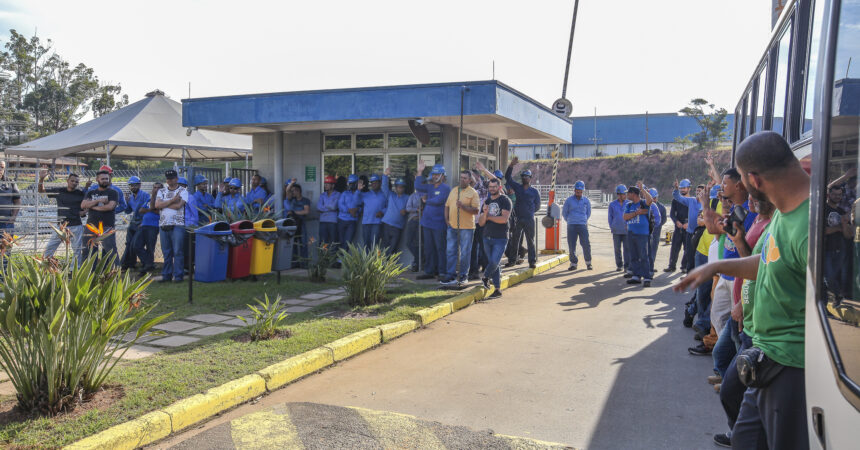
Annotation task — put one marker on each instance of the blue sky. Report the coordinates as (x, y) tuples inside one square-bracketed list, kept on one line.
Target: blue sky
[(629, 55)]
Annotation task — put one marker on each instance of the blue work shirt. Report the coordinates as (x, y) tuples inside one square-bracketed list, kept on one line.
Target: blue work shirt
[(327, 206), (617, 224), (576, 211), (135, 202), (258, 193), (230, 202), (204, 200), (373, 202), (347, 201), (121, 206), (729, 249), (638, 224), (296, 206), (192, 217), (528, 200), (693, 209), (434, 210), (396, 203)]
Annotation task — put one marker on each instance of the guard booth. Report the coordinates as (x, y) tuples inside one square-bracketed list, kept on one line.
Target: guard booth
[(309, 135)]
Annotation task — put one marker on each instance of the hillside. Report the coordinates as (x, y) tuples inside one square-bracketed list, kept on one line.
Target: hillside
[(606, 172)]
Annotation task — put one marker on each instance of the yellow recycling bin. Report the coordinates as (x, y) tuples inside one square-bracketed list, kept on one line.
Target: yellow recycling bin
[(263, 246)]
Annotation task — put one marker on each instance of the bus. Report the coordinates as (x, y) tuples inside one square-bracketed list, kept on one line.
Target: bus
[(806, 86)]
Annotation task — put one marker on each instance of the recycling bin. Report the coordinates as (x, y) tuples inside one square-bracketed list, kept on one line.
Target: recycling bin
[(262, 246), (282, 259), (211, 248), (239, 256)]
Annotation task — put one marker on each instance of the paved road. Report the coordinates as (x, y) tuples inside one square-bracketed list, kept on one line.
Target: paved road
[(579, 358)]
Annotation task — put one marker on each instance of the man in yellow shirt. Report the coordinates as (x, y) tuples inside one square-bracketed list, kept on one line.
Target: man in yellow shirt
[(460, 211)]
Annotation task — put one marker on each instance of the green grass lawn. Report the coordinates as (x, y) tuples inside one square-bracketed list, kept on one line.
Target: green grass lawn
[(157, 381), (227, 295)]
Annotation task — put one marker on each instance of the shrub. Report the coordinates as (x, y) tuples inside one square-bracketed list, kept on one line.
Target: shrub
[(326, 256), (61, 327), (267, 319), (366, 273)]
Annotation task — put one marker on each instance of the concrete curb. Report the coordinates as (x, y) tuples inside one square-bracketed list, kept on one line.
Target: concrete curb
[(159, 424)]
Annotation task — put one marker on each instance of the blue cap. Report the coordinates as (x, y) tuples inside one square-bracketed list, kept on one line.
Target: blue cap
[(375, 177), (263, 181), (227, 180), (352, 179), (199, 179), (182, 180), (579, 185), (653, 192), (621, 189), (400, 182), (526, 173), (438, 169), (498, 173), (685, 183), (134, 180), (715, 191), (235, 182)]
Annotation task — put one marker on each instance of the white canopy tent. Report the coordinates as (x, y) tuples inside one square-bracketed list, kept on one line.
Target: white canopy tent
[(148, 129)]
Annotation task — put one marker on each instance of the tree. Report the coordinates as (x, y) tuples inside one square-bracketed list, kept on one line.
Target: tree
[(711, 120), (42, 93)]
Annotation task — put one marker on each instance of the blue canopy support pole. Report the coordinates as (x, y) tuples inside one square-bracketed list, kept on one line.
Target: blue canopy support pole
[(278, 181), (107, 154)]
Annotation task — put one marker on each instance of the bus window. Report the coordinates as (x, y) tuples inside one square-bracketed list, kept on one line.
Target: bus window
[(781, 86), (750, 113), (737, 126), (812, 66), (762, 88)]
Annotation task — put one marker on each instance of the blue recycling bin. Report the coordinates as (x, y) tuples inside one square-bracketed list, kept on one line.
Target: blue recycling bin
[(210, 253)]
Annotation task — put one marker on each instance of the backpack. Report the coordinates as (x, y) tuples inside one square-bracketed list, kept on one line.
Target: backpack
[(644, 205)]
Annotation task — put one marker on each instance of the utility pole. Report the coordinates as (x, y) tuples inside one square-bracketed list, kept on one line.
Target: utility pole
[(594, 140)]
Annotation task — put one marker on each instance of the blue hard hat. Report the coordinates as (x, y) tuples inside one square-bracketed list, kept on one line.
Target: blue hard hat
[(715, 191), (685, 183), (134, 180), (182, 180), (235, 182), (653, 192), (498, 173), (199, 179), (227, 180), (526, 173), (400, 182), (579, 185), (375, 177), (352, 179), (621, 189), (438, 169)]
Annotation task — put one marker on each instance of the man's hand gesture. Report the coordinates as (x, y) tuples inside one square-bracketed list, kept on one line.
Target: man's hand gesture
[(421, 166)]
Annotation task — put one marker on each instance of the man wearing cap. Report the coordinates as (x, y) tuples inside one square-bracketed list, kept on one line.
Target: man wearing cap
[(232, 200), (347, 207), (100, 204), (658, 214), (10, 201), (494, 218), (528, 203), (693, 210), (327, 207), (147, 234), (170, 202), (192, 219), (259, 194), (69, 212), (413, 208), (120, 206), (395, 215), (678, 214), (373, 202), (135, 201), (460, 210), (223, 189), (576, 212), (204, 200), (433, 220), (636, 212), (618, 227)]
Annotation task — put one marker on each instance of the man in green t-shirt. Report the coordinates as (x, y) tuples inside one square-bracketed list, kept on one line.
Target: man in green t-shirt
[(774, 414)]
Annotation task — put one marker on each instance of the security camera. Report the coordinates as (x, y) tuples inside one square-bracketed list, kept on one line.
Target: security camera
[(189, 130)]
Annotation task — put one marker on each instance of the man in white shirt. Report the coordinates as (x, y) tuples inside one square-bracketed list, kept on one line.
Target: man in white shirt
[(170, 201)]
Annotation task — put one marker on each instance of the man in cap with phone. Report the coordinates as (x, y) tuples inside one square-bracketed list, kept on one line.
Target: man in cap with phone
[(394, 219), (433, 219)]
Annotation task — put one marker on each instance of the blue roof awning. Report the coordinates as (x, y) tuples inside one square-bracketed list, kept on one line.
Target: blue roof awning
[(489, 108)]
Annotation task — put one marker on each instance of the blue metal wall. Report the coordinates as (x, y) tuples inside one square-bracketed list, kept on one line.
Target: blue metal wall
[(630, 129)]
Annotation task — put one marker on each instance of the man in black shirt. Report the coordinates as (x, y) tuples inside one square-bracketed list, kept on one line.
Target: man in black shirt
[(494, 218), (100, 203), (678, 215), (69, 212)]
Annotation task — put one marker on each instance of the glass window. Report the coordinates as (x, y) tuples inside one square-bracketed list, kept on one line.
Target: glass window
[(781, 86), (473, 143), (337, 165), (435, 140), (464, 162), (369, 164), (738, 125), (338, 142), (482, 145), (402, 140), (762, 88), (369, 140), (749, 113), (491, 147), (401, 165), (812, 65)]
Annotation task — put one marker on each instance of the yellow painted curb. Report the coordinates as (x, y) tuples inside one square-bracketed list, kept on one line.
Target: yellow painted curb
[(463, 300), (136, 433), (191, 410), (354, 343), (433, 313), (296, 367), (397, 329)]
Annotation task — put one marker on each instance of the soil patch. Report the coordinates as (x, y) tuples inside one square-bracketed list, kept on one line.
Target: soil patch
[(102, 399), (246, 337)]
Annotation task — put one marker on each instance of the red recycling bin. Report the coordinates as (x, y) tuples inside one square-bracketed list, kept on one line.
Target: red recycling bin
[(239, 256)]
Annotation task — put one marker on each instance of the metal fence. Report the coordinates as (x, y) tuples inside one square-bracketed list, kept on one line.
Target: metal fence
[(563, 191)]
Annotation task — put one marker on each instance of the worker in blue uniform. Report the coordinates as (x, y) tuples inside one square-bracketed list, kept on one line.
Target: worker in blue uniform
[(394, 219), (374, 202), (527, 204), (347, 215), (433, 220)]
